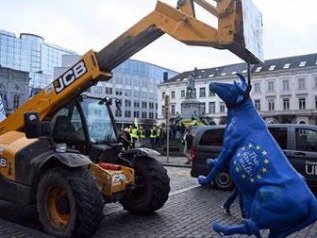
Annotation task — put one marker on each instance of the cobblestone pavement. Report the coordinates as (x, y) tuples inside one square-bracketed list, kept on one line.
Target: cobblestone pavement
[(188, 213)]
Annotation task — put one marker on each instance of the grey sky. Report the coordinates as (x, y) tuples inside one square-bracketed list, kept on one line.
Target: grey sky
[(290, 28)]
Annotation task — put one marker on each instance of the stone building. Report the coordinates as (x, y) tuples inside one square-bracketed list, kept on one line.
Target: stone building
[(284, 90), (14, 88)]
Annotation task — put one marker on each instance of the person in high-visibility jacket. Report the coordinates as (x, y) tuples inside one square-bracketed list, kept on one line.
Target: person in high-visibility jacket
[(134, 135), (153, 136)]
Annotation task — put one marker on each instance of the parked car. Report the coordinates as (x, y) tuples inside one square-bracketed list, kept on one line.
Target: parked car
[(298, 141)]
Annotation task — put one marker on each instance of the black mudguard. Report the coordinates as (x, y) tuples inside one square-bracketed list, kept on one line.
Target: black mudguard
[(30, 164), (129, 156)]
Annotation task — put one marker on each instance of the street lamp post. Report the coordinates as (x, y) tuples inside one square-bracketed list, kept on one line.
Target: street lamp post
[(167, 101)]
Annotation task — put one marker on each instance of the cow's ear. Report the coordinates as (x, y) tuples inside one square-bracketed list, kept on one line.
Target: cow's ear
[(242, 78), (240, 87)]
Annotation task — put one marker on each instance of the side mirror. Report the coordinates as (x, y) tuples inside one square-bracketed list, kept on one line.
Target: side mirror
[(33, 127)]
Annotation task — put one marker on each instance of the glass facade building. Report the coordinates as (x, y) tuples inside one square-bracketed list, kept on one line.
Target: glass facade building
[(30, 53), (135, 83)]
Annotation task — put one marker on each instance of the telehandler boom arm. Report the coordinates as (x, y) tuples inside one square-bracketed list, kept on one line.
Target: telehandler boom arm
[(180, 23)]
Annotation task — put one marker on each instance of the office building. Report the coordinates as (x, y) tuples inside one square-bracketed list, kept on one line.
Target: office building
[(135, 83), (30, 53)]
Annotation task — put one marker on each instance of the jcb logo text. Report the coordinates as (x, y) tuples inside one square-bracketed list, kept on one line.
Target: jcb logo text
[(69, 77)]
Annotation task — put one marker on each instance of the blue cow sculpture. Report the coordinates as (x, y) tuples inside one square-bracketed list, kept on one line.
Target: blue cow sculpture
[(274, 195)]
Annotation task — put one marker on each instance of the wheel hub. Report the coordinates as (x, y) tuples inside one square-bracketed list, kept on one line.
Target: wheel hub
[(58, 206)]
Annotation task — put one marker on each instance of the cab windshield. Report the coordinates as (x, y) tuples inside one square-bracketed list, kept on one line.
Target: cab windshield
[(99, 123)]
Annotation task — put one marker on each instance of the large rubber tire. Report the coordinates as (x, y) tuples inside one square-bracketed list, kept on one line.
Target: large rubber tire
[(152, 186), (69, 203), (224, 181)]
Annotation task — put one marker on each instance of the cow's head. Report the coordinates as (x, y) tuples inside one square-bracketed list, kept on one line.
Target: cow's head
[(232, 94)]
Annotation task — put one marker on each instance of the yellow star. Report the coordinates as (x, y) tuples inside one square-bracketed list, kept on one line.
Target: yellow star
[(243, 176), (252, 180), (259, 176), (264, 170), (266, 161), (237, 169), (264, 152), (258, 147)]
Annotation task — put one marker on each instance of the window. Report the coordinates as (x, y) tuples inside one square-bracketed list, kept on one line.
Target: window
[(270, 86), (222, 107), (127, 93), (173, 94), (286, 66), (302, 64), (212, 137), (108, 90), (257, 104), (173, 110), (16, 101), (302, 103), (285, 85), (98, 90), (163, 95), (136, 104), (280, 135), (258, 69), (285, 104), (257, 88), (143, 115), (212, 107), (127, 103), (212, 93), (136, 114), (144, 104), (315, 82), (202, 92), (151, 105), (306, 139), (127, 114), (119, 92), (182, 93), (301, 83), (315, 102), (272, 67), (271, 103), (118, 113)]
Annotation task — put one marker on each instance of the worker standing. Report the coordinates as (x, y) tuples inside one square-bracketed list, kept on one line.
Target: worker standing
[(133, 135), (153, 136)]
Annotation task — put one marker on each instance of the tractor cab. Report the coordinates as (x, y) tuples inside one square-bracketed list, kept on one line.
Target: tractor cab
[(87, 125)]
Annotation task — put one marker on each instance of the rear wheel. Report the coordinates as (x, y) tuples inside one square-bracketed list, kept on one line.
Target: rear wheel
[(152, 186), (224, 181), (69, 203)]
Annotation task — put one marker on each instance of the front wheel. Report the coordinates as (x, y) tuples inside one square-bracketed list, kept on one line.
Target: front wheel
[(69, 203), (152, 186), (224, 181)]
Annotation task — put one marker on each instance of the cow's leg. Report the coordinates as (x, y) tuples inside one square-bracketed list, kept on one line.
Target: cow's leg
[(248, 227), (231, 198)]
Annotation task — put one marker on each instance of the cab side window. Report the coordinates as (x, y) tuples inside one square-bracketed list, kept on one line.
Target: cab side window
[(280, 135), (306, 139), (212, 137), (67, 125)]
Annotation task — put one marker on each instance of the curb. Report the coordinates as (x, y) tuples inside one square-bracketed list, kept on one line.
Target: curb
[(176, 165)]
